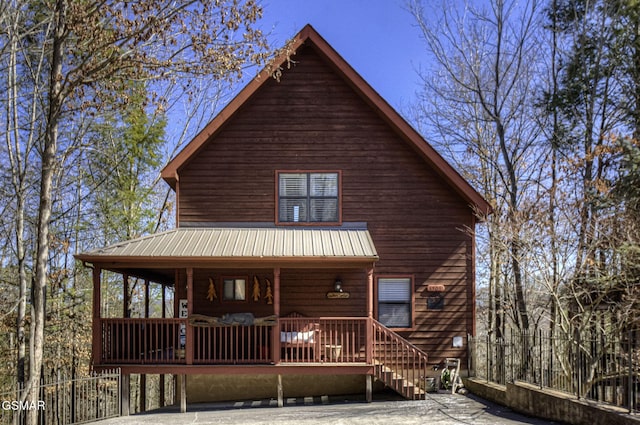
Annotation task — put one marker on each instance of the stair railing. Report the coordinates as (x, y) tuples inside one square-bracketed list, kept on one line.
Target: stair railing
[(399, 364)]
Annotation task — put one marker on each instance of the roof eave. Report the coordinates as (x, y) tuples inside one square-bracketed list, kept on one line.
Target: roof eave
[(170, 172), (171, 262), (402, 127)]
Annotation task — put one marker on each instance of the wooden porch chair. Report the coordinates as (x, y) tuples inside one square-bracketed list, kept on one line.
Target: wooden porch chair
[(301, 343)]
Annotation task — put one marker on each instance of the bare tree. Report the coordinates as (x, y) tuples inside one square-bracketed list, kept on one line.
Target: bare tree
[(91, 50), (485, 59), (23, 86)]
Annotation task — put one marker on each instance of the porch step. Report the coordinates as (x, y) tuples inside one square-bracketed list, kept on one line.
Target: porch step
[(398, 383)]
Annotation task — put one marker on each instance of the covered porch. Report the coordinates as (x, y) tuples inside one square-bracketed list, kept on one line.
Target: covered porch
[(253, 301)]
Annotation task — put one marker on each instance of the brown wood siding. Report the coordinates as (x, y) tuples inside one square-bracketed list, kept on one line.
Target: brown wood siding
[(313, 120), (304, 291), (218, 307)]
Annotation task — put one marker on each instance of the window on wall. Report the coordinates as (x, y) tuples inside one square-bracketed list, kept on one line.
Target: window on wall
[(395, 301), (234, 289), (308, 197)]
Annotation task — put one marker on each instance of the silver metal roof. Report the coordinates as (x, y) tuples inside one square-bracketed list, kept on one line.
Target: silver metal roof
[(245, 243)]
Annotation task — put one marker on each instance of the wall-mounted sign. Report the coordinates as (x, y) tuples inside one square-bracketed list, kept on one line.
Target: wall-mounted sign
[(183, 313), (337, 295)]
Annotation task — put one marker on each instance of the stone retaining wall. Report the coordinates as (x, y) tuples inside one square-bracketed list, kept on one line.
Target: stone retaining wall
[(548, 404)]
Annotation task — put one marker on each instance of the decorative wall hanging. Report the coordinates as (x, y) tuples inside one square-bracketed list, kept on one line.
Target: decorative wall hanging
[(256, 289), (268, 294), (211, 293)]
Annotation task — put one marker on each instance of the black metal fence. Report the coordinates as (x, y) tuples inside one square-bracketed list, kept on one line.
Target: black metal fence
[(590, 365), (67, 401)]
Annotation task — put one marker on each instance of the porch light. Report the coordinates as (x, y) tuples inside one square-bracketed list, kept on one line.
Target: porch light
[(337, 285)]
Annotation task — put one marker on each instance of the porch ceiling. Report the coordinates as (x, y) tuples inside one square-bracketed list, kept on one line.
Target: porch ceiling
[(225, 247)]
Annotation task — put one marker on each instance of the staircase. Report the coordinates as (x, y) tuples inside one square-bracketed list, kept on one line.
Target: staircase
[(399, 364)]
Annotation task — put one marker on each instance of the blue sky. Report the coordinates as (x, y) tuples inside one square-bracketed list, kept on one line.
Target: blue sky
[(378, 38)]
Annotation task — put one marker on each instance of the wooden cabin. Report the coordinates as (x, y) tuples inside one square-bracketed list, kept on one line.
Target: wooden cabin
[(322, 246)]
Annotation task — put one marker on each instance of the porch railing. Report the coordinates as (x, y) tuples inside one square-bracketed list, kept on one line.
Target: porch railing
[(310, 340), (232, 344), (141, 341), (323, 339)]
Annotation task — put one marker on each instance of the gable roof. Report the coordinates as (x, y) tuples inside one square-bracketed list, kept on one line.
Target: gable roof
[(308, 35)]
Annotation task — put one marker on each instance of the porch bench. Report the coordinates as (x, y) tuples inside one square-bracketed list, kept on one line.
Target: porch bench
[(300, 343)]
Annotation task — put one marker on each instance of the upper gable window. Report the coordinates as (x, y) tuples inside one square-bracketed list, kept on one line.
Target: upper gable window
[(308, 197)]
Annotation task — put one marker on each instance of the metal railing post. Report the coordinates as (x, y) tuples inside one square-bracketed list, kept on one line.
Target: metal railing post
[(540, 351), (488, 371), (578, 365), (630, 377)]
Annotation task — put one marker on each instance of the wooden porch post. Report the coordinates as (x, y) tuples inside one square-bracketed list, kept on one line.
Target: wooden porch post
[(189, 336), (125, 392), (280, 392), (275, 338), (183, 393), (143, 392), (164, 301), (369, 333), (125, 296), (162, 376), (143, 376), (370, 292), (146, 298), (96, 323), (276, 291)]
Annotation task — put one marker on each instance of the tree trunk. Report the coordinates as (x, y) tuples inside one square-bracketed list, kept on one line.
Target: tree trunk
[(12, 138), (44, 209), (18, 182), (515, 243), (22, 302)]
